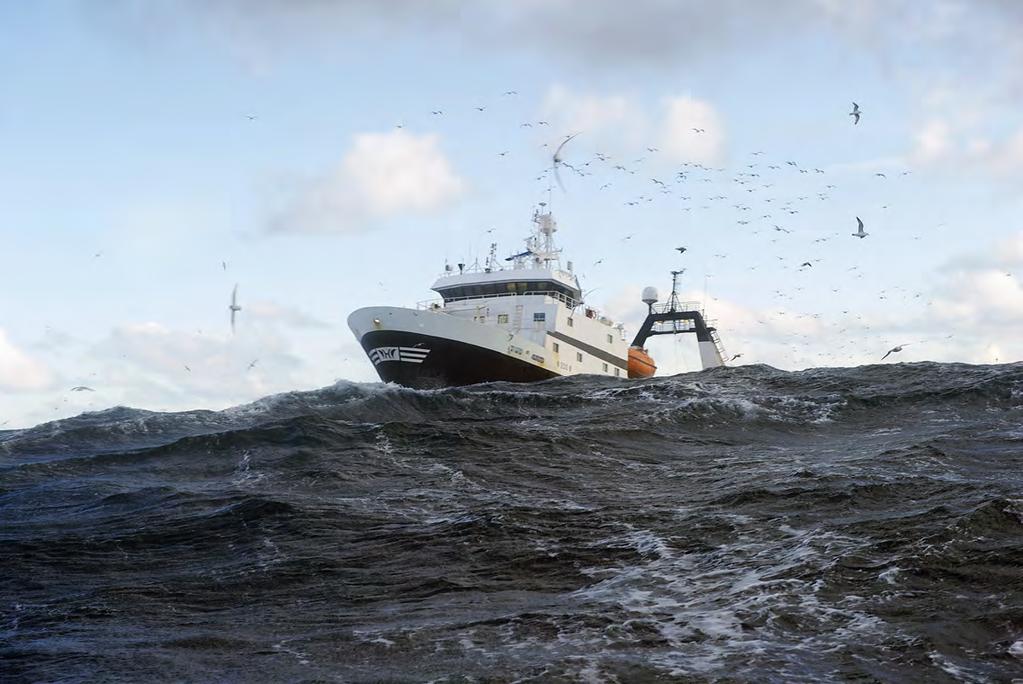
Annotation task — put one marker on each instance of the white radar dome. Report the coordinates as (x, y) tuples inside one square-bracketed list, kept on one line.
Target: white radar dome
[(650, 295)]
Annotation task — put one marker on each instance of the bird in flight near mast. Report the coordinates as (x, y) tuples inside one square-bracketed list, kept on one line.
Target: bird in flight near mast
[(234, 308), (558, 160), (855, 113)]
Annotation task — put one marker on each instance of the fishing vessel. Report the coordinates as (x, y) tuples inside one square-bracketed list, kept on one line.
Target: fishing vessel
[(522, 319)]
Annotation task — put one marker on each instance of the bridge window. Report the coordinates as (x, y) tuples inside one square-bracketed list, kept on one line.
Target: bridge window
[(518, 288), (610, 339), (539, 316), (579, 356), (555, 347), (502, 319), (570, 323), (605, 367)]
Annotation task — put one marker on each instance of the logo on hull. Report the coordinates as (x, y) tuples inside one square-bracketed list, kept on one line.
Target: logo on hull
[(406, 354)]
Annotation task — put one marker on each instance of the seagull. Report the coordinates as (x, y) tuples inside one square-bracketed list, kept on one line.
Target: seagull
[(734, 357), (253, 364), (806, 264), (234, 308), (557, 159), (855, 113), (480, 109), (188, 369), (699, 130), (82, 388), (250, 117), (880, 175), (860, 233), (223, 264), (894, 350), (511, 92), (681, 250), (437, 112)]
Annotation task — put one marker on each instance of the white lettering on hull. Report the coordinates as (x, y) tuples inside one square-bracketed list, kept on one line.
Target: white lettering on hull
[(406, 354)]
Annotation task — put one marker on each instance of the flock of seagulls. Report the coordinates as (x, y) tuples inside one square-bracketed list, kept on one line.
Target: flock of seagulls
[(753, 185), (749, 180)]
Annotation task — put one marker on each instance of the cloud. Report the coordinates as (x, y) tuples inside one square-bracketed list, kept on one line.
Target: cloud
[(962, 147), (679, 138), (18, 371), (618, 124), (156, 367), (596, 33), (382, 176), (613, 117), (287, 316)]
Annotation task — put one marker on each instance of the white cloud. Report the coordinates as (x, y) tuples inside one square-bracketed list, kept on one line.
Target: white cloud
[(961, 143), (18, 371), (619, 124), (612, 119), (383, 175), (288, 316), (692, 131)]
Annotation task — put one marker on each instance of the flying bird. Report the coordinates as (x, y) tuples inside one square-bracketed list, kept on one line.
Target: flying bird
[(806, 264), (82, 388), (880, 175), (234, 308), (734, 357), (253, 364), (558, 160), (894, 350), (860, 233), (855, 113), (681, 250)]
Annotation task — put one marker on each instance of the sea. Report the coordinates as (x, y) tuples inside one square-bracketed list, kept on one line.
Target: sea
[(735, 525)]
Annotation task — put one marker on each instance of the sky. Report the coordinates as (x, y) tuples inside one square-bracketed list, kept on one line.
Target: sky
[(328, 155)]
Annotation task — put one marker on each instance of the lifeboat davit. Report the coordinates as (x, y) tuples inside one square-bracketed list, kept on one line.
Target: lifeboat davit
[(640, 363)]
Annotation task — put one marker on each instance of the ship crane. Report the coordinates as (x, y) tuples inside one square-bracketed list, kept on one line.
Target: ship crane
[(674, 317)]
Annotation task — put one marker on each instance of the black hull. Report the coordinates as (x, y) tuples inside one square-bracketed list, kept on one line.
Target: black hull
[(426, 362)]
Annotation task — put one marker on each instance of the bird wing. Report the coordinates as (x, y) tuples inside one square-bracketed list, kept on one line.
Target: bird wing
[(886, 355), (859, 223), (563, 143), (234, 297)]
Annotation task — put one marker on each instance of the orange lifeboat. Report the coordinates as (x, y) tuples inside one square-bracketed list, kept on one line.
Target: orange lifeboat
[(640, 363)]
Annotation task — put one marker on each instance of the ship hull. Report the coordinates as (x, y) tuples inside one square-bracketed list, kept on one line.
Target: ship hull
[(424, 349), (445, 363)]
